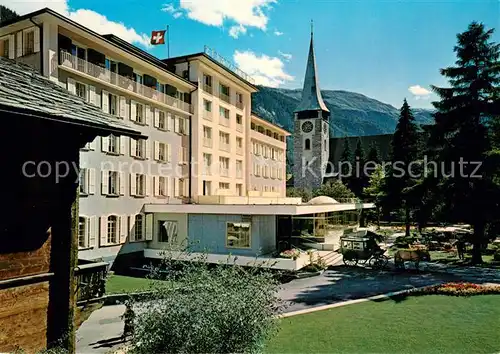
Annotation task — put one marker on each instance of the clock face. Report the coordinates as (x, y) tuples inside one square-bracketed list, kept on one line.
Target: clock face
[(307, 127)]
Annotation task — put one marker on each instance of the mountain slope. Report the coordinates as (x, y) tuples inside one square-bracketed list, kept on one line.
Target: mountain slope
[(352, 114)]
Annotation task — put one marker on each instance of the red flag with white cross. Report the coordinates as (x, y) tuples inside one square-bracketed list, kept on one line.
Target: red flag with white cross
[(158, 37)]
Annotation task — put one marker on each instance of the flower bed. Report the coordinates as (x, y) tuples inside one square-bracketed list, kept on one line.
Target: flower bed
[(291, 254), (458, 289)]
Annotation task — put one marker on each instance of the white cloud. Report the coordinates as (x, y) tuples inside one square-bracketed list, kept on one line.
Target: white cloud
[(287, 56), (245, 13), (278, 33), (91, 19), (171, 10), (235, 31), (419, 92), (267, 71)]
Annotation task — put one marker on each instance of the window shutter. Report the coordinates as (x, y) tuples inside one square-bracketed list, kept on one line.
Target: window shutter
[(105, 101), (147, 149), (186, 126), (123, 107), (121, 183), (169, 152), (103, 231), (148, 181), (123, 143), (36, 39), (70, 86), (19, 42), (104, 182), (12, 46), (179, 155), (169, 121), (133, 147), (156, 118), (133, 110), (176, 124), (177, 191), (123, 228), (149, 227), (156, 182), (92, 144), (91, 174), (92, 230), (168, 187), (133, 184), (131, 225), (87, 232), (92, 96), (85, 188), (157, 150), (148, 114), (105, 144)]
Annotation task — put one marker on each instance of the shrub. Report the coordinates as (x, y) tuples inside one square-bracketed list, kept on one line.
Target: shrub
[(292, 254), (459, 289), (496, 255), (217, 308)]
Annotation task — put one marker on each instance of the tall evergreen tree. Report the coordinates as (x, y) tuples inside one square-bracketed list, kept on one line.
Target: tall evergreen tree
[(345, 160), (404, 151), (461, 135), (373, 153), (7, 14), (359, 180)]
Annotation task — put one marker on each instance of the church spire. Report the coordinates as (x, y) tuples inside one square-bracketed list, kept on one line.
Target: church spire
[(311, 93)]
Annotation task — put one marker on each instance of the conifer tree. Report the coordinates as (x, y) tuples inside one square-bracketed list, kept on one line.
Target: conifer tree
[(373, 153)]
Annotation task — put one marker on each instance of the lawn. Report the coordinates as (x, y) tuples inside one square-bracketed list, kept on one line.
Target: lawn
[(420, 324), (119, 284)]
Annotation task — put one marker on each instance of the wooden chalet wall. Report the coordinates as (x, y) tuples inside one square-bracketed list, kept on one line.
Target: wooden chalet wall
[(38, 232)]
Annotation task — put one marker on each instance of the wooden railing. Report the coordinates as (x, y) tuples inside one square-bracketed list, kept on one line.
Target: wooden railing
[(90, 280), (103, 74)]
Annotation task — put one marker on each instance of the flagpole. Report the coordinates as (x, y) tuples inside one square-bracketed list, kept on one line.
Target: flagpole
[(168, 42)]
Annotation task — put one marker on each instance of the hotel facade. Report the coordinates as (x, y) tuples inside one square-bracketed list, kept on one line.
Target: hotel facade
[(209, 171)]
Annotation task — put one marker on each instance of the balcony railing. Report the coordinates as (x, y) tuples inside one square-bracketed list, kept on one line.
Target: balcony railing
[(225, 147), (207, 115), (207, 170), (207, 88), (239, 174), (90, 280), (224, 121), (103, 74), (224, 97), (207, 142), (224, 172), (239, 105), (239, 127), (239, 150)]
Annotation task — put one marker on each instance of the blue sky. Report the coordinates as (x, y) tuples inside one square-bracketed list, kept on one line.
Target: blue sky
[(377, 48)]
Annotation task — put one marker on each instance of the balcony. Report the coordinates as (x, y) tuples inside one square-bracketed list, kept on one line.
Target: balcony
[(239, 105), (90, 280), (224, 121), (239, 174), (224, 97), (102, 74), (207, 88), (239, 128), (207, 170), (224, 172), (239, 150), (207, 115), (224, 147), (207, 142)]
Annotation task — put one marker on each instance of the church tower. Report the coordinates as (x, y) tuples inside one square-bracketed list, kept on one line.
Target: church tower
[(311, 130)]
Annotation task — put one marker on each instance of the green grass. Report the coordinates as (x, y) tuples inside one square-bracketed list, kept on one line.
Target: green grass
[(119, 284), (420, 324)]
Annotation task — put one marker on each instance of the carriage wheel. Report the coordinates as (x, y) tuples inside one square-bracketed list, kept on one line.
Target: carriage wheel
[(378, 262), (350, 259)]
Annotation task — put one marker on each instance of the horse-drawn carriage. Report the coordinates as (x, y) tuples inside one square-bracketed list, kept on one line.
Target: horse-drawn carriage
[(362, 248)]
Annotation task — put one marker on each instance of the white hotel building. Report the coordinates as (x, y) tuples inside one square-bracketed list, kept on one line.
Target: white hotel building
[(208, 169)]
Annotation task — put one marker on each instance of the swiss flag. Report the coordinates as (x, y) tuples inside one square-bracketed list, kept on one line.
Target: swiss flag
[(158, 37)]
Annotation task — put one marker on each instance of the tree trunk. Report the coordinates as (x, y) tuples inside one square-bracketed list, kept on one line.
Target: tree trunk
[(407, 221), (378, 218), (477, 242)]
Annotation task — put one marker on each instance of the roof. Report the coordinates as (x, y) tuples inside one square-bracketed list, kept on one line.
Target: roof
[(265, 121), (25, 91), (311, 93), (322, 200), (188, 57), (109, 38)]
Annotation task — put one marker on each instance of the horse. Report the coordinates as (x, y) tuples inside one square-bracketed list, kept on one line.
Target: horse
[(411, 255)]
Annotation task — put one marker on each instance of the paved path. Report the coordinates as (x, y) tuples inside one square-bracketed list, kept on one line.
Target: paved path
[(102, 331)]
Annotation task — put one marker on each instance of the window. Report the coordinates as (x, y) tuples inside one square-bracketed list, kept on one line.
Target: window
[(224, 112), (224, 141), (29, 42), (266, 151), (274, 154), (308, 144), (207, 83), (253, 126), (239, 146), (238, 235), (113, 104), (162, 121), (239, 169), (112, 229), (207, 136), (162, 186), (224, 166), (161, 152), (207, 105), (140, 148), (82, 232), (207, 188), (82, 181), (168, 231), (138, 225), (239, 119), (269, 133), (81, 90), (207, 164), (4, 48), (224, 93), (140, 185), (114, 144), (239, 100), (113, 183), (239, 190), (276, 136), (139, 114), (223, 185)]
